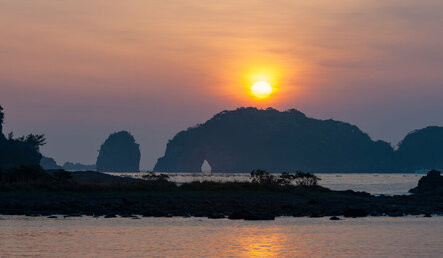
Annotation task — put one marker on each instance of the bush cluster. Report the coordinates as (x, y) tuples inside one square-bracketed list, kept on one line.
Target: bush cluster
[(298, 178), (24, 174), (151, 176)]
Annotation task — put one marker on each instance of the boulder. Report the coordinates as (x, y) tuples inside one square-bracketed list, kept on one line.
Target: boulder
[(432, 182)]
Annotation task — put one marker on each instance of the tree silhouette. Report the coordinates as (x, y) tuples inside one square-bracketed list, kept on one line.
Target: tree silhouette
[(19, 151), (2, 116), (35, 140)]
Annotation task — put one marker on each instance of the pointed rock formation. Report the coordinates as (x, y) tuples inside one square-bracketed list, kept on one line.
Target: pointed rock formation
[(119, 153)]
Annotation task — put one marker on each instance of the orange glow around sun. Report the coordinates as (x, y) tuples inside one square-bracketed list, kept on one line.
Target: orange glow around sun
[(261, 90), (261, 83), (257, 83)]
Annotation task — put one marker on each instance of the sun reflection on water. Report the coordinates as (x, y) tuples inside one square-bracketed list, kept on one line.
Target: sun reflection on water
[(265, 241)]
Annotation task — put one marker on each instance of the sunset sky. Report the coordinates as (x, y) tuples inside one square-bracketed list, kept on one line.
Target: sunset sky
[(78, 70)]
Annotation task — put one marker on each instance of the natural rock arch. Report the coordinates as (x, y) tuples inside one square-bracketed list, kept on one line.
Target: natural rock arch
[(248, 138), (206, 167)]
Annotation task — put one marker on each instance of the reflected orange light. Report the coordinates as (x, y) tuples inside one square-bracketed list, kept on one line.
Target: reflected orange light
[(260, 246)]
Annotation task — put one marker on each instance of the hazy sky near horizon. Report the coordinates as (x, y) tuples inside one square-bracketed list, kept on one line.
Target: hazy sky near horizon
[(79, 70)]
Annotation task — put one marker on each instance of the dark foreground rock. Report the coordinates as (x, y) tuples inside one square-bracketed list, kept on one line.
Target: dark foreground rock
[(432, 182), (234, 205), (355, 213), (31, 191)]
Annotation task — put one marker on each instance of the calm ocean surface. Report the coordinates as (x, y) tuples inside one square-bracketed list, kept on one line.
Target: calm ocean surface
[(199, 237), (388, 184)]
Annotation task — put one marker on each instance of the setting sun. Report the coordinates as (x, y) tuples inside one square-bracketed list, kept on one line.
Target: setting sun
[(261, 89)]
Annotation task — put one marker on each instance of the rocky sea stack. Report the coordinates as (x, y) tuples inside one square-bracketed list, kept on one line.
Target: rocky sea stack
[(119, 153)]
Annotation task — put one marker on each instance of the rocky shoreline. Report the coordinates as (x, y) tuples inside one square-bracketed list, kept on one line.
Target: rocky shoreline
[(247, 201), (248, 206)]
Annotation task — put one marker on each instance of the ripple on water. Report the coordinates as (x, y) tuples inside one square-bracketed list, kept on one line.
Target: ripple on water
[(117, 237)]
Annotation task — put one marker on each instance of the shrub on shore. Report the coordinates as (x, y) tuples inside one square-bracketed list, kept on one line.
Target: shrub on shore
[(262, 181), (151, 176), (298, 178), (24, 174)]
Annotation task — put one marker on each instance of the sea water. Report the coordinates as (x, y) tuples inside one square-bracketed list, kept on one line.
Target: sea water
[(387, 184), (201, 237), (411, 236)]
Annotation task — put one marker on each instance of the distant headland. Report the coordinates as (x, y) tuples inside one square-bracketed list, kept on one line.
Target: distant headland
[(249, 138)]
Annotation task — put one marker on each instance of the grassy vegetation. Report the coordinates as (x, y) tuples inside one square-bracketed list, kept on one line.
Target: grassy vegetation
[(34, 178), (209, 186)]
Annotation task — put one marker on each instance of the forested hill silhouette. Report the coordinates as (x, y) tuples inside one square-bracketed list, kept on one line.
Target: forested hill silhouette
[(248, 138), (19, 151), (421, 149)]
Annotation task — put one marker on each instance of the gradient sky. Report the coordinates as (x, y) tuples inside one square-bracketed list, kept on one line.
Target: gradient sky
[(78, 70)]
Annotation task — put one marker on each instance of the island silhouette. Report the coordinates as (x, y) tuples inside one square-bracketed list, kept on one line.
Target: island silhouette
[(249, 138), (28, 189), (245, 139)]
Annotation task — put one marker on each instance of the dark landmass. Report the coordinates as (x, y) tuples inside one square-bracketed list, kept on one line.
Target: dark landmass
[(432, 182), (248, 138), (119, 153), (78, 167), (49, 163), (421, 149), (97, 194), (98, 177), (18, 151)]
